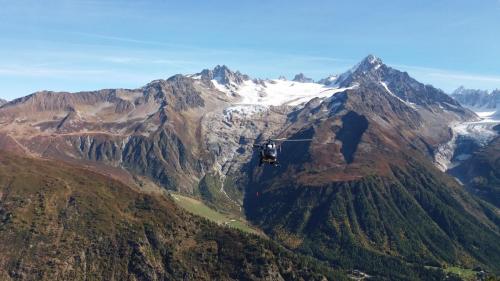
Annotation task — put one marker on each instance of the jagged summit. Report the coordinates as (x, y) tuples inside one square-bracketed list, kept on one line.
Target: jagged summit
[(371, 60), (465, 91), (302, 78), (223, 75), (368, 64), (372, 72), (368, 68)]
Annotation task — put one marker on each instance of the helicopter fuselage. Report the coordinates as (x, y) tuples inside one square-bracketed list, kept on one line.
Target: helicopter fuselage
[(268, 153)]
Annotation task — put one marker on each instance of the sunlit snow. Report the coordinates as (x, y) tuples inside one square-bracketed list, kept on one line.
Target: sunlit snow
[(277, 92)]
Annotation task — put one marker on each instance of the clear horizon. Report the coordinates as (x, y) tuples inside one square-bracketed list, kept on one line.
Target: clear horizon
[(89, 45)]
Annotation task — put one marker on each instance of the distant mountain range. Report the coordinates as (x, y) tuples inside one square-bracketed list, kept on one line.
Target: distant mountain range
[(479, 99), (486, 104), (368, 191)]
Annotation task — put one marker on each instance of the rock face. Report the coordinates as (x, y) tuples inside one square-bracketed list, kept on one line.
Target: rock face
[(348, 196), (60, 222), (2, 102), (302, 78)]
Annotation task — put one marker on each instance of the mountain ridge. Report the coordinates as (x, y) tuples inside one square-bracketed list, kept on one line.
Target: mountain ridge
[(479, 99)]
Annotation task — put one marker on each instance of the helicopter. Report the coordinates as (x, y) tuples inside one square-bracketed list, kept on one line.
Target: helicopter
[(268, 151)]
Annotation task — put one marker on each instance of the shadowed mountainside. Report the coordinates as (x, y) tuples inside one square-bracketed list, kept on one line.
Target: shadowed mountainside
[(481, 172)]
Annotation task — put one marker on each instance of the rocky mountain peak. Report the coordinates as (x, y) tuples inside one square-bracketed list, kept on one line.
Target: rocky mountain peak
[(302, 78), (2, 102), (370, 69), (367, 69), (369, 64), (223, 75), (371, 61)]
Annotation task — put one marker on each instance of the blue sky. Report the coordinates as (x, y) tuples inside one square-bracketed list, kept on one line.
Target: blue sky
[(91, 44)]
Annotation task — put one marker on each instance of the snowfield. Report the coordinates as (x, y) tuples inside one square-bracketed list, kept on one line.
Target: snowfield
[(277, 92), (489, 116)]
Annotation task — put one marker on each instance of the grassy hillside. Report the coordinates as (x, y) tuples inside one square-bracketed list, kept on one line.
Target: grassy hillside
[(389, 227), (58, 222), (200, 209)]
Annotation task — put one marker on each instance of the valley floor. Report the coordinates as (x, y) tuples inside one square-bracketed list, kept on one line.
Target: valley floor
[(198, 208)]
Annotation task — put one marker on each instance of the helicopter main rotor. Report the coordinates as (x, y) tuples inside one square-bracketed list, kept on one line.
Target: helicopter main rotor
[(290, 140)]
